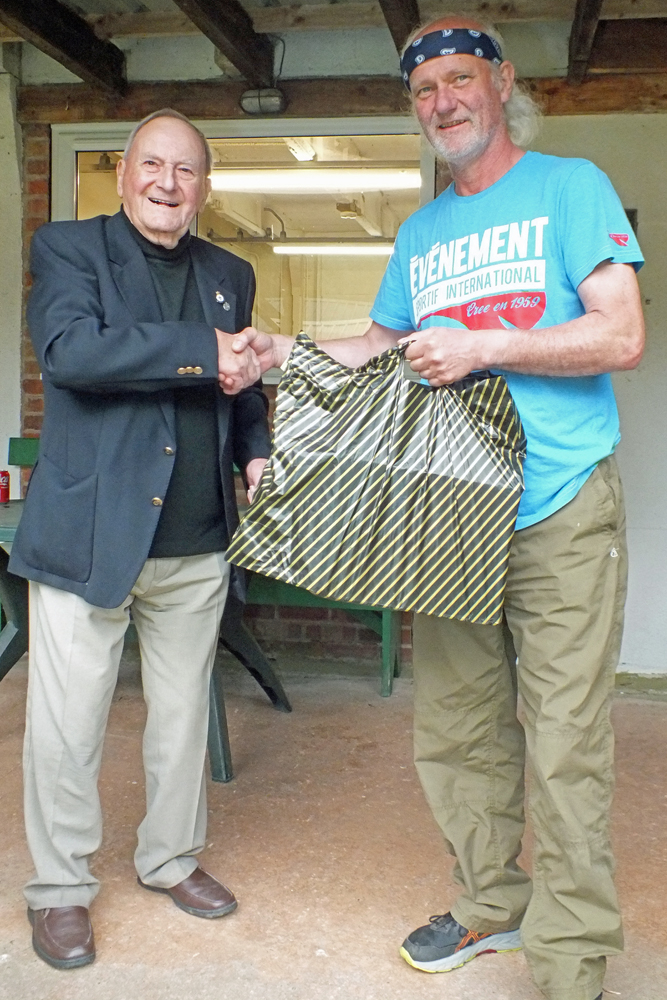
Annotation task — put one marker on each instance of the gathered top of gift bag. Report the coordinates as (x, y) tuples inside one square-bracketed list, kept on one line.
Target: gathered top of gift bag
[(387, 492)]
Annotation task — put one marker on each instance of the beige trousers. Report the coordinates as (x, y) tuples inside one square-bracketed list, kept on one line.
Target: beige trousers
[(563, 621), (75, 651)]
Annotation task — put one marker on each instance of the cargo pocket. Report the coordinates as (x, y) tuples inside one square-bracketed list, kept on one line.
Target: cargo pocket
[(56, 530)]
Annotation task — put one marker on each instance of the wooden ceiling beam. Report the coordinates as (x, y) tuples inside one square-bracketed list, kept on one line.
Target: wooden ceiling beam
[(309, 98), (349, 15), (402, 17), (314, 98), (632, 46), (67, 38), (584, 26), (230, 28)]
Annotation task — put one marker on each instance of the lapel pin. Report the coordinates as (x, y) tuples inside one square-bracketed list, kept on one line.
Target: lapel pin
[(219, 297), (226, 306)]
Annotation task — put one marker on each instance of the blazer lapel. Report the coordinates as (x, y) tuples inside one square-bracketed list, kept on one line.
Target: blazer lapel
[(131, 274), (133, 279)]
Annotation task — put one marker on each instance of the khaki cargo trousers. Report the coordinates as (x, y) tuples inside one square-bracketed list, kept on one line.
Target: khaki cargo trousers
[(558, 649)]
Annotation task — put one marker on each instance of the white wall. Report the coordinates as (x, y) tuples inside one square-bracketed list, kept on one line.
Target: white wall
[(10, 275), (632, 150), (536, 49)]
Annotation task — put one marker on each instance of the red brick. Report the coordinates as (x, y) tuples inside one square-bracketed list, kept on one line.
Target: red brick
[(32, 387), (260, 611), (30, 366), (340, 616), (309, 614), (40, 186), (313, 632), (34, 404), (35, 146), (36, 204), (37, 167), (32, 224), (266, 629), (32, 423)]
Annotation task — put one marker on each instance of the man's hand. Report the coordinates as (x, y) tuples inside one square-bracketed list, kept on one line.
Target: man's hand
[(443, 355), (271, 351), (237, 369), (253, 474)]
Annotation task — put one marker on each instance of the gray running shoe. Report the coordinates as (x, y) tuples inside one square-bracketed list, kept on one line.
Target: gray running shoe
[(443, 944)]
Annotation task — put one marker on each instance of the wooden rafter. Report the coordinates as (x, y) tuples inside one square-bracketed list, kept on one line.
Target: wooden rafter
[(353, 14), (231, 30), (313, 98), (67, 38), (584, 26), (402, 17)]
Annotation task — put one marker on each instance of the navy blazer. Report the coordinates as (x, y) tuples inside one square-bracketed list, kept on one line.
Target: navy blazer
[(110, 365)]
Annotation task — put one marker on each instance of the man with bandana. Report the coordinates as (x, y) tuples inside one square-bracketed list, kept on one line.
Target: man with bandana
[(526, 266)]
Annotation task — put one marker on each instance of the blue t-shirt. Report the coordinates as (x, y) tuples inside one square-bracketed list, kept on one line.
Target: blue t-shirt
[(513, 256)]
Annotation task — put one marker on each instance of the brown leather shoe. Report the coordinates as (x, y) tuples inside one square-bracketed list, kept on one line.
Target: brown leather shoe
[(199, 894), (63, 936)]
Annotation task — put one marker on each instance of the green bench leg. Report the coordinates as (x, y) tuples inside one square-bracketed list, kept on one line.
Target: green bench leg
[(14, 636), (219, 753), (391, 650)]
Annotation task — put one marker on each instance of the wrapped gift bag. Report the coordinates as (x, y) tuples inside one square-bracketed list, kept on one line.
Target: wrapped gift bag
[(386, 492)]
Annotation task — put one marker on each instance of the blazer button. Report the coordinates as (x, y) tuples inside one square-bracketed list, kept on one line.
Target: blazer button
[(181, 371), (189, 370), (198, 370), (156, 502), (168, 450)]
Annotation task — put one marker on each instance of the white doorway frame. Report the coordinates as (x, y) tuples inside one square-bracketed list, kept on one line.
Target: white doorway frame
[(68, 140)]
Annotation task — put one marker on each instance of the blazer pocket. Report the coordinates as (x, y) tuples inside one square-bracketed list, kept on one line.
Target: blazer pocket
[(56, 530)]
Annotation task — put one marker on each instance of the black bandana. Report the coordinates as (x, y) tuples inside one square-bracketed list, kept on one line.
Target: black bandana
[(449, 42)]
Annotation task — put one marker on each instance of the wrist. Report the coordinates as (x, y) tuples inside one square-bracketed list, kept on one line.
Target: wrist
[(493, 348), (282, 348)]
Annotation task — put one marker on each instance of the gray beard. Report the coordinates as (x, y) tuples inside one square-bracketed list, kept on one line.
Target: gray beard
[(463, 154)]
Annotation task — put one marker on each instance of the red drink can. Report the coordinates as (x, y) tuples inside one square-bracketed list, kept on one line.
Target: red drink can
[(4, 487)]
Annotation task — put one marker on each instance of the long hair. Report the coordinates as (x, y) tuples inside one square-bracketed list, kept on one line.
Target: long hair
[(523, 115)]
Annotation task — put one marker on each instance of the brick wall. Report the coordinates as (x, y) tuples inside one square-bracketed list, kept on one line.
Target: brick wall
[(317, 633), (36, 211), (320, 633)]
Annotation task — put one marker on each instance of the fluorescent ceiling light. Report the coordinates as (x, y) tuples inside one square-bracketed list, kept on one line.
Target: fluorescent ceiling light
[(337, 249), (315, 180)]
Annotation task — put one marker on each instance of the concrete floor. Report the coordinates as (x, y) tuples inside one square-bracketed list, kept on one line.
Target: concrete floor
[(326, 840)]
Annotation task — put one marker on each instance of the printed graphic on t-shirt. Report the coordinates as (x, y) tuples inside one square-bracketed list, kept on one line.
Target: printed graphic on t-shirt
[(490, 280)]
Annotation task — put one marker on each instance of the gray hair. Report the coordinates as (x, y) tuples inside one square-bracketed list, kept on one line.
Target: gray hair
[(170, 113), (523, 115)]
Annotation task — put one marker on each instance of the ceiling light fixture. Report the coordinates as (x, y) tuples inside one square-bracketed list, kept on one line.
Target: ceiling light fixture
[(300, 148), (267, 101), (317, 180)]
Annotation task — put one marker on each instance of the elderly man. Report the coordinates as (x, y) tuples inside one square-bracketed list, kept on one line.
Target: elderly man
[(130, 507), (525, 265)]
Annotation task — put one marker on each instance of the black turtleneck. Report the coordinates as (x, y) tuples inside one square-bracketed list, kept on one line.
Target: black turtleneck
[(192, 519)]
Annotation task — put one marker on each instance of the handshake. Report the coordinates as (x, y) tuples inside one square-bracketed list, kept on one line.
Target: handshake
[(245, 356)]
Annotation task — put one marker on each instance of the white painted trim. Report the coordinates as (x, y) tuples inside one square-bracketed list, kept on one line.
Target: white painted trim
[(68, 140)]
